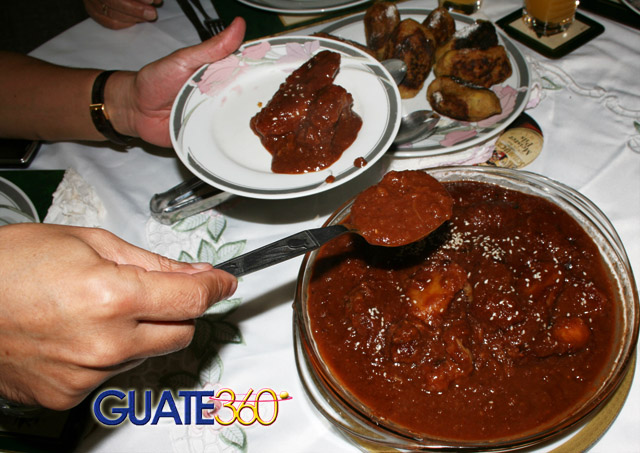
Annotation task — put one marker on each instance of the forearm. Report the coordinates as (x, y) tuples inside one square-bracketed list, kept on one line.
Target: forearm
[(39, 100)]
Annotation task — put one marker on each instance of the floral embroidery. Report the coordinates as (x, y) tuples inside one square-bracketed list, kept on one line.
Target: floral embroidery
[(554, 78), (199, 366)]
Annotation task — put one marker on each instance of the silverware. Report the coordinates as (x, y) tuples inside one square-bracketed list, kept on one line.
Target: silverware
[(214, 26), (188, 11), (282, 250), (416, 126), (184, 200)]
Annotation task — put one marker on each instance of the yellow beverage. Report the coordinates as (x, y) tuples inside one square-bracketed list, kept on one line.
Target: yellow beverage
[(461, 6), (548, 17)]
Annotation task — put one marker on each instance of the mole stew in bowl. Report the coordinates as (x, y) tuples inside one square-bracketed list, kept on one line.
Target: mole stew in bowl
[(492, 327)]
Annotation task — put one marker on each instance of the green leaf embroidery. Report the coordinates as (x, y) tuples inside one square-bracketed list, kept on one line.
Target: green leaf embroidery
[(235, 436), (191, 223), (230, 250), (201, 345), (206, 252), (185, 257), (214, 372), (636, 124), (549, 84), (224, 332), (222, 309), (215, 226)]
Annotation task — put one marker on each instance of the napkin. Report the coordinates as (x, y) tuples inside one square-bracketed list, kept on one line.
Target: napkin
[(75, 202)]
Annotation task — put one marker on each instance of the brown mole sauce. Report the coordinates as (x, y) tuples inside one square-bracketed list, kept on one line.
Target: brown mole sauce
[(309, 121), (360, 162), (495, 324), (404, 207)]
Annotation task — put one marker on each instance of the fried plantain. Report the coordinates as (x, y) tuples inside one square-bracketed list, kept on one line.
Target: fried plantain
[(441, 23), (464, 102), (380, 20), (414, 44), (483, 67), (479, 35)]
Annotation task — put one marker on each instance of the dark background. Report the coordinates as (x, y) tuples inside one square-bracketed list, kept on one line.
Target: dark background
[(27, 24)]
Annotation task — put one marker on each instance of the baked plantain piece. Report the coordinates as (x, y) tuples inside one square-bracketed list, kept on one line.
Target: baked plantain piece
[(412, 43), (482, 67), (380, 20), (441, 23), (479, 35), (461, 101)]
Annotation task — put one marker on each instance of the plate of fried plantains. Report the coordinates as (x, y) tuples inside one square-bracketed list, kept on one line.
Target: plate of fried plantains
[(464, 69)]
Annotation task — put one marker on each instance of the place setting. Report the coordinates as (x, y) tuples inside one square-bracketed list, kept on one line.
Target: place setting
[(212, 136), (427, 258), (239, 157)]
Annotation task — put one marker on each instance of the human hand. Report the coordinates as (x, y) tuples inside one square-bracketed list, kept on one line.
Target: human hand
[(139, 103), (79, 305), (118, 14)]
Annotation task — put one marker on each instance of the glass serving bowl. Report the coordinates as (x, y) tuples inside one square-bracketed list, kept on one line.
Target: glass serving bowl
[(352, 418)]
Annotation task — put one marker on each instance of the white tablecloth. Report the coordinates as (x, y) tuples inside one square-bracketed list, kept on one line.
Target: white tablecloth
[(592, 140)]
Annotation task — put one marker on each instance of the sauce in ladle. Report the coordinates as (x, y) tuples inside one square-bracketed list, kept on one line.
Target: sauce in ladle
[(404, 207)]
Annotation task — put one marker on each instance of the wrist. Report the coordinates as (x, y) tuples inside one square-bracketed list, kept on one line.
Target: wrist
[(111, 108)]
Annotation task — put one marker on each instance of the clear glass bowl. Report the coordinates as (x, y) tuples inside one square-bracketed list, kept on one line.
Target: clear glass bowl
[(346, 413)]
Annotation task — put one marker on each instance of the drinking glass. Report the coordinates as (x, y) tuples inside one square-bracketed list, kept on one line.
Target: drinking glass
[(461, 6), (548, 17)]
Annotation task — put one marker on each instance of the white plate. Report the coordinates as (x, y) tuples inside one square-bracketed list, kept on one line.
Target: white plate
[(633, 4), (15, 205), (302, 6), (210, 118), (476, 133)]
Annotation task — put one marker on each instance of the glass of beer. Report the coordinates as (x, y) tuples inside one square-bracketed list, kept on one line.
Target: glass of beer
[(461, 6), (548, 17)]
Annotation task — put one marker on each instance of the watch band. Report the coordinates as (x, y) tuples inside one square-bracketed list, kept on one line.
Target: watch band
[(99, 114), (9, 408)]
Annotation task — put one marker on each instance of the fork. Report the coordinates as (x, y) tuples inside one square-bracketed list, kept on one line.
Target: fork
[(214, 26)]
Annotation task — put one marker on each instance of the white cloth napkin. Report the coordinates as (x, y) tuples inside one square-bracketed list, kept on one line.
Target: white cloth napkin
[(75, 202)]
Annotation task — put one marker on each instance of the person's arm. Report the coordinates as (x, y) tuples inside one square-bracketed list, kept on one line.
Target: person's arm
[(39, 100), (117, 14), (79, 305)]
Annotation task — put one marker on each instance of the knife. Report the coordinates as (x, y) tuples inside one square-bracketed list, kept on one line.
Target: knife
[(281, 250), (188, 10)]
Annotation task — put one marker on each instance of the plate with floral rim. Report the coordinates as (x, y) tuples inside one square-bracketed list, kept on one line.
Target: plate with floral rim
[(302, 6), (210, 118), (15, 205), (452, 136), (633, 5)]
